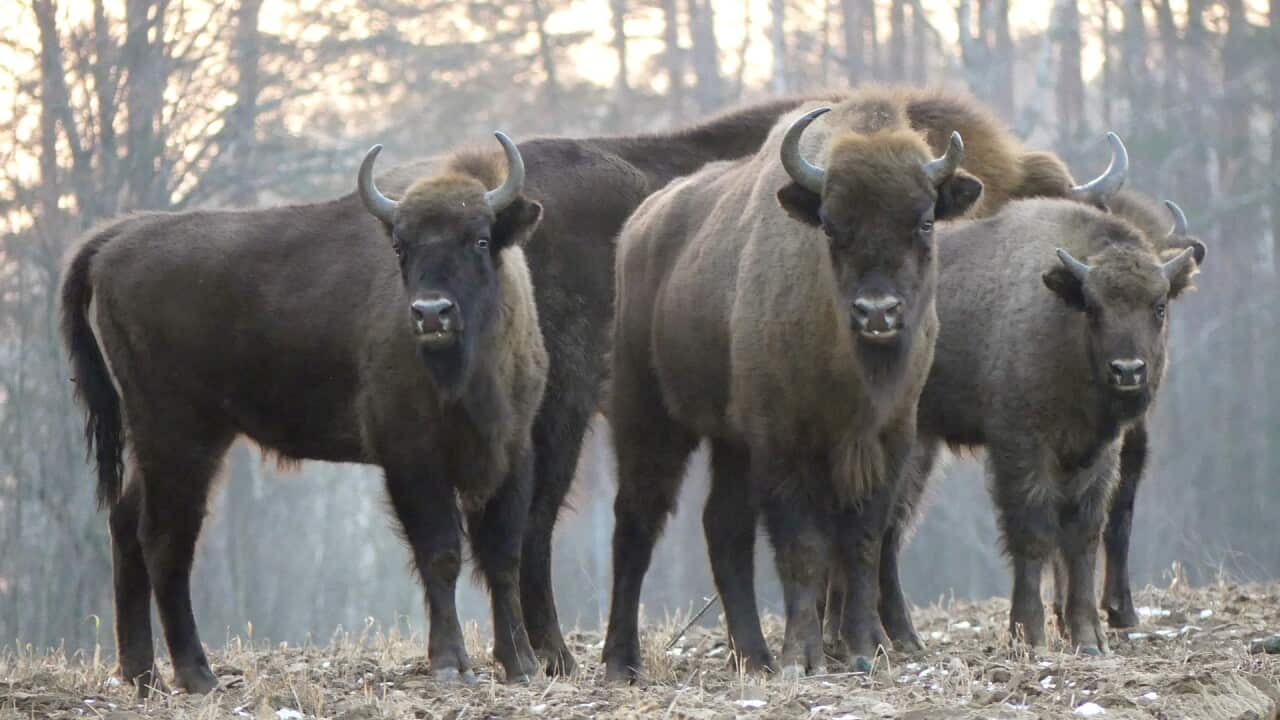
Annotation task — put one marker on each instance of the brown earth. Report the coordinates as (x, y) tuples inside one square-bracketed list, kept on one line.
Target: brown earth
[(1190, 659)]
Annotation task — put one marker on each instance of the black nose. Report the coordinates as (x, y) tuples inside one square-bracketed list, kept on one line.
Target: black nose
[(879, 314), (1128, 372), (432, 314)]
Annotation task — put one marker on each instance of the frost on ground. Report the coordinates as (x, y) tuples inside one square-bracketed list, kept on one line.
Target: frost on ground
[(1190, 659)]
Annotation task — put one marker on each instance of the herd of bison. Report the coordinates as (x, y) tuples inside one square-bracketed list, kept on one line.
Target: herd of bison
[(828, 289)]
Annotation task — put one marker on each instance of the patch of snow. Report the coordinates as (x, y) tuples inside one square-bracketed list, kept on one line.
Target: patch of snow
[(1139, 636), (1167, 633), (819, 709), (913, 666), (847, 716), (325, 664), (1147, 611), (926, 672), (935, 635), (962, 625), (716, 651), (1089, 709), (1206, 613), (89, 701), (585, 706), (1149, 696), (289, 714), (753, 704), (676, 651), (113, 681), (1047, 682), (1044, 664), (538, 709)]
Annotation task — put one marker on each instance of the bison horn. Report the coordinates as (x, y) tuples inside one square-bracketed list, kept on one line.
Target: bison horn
[(378, 205), (1077, 268), (806, 174), (943, 168), (506, 193), (1100, 189), (1174, 266), (1179, 219)]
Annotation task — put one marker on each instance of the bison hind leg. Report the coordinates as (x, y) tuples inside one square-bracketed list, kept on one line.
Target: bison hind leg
[(175, 480), (134, 648)]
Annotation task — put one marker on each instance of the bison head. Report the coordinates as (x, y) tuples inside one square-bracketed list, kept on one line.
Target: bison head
[(448, 232), (1124, 292), (877, 201)]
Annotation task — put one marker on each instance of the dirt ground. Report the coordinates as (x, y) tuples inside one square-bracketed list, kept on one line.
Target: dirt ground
[(1190, 659)]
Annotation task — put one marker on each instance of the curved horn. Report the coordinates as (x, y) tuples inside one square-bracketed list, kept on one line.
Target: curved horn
[(378, 205), (1179, 219), (506, 193), (944, 167), (1077, 268), (1100, 189), (1174, 266), (807, 175)]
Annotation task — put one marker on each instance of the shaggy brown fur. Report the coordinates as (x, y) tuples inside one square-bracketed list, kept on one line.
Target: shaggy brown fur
[(291, 326)]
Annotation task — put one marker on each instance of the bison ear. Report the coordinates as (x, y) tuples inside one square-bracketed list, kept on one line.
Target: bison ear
[(516, 224), (1066, 286), (1183, 278), (801, 204), (956, 195)]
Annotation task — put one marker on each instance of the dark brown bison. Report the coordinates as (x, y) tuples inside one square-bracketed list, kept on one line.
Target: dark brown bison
[(1053, 335), (300, 328), (798, 345)]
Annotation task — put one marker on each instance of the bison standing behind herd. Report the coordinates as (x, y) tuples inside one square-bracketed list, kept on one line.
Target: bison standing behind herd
[(827, 289)]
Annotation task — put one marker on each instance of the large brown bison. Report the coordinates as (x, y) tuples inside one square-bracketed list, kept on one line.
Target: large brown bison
[(1054, 322), (405, 336), (587, 188), (797, 339)]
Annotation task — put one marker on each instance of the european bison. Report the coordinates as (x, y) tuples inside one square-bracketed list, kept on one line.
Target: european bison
[(797, 345), (405, 337), (1053, 336)]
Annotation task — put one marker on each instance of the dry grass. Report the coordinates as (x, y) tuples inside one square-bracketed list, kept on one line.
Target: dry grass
[(1190, 660)]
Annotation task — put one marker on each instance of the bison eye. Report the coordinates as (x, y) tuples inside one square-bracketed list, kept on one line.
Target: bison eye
[(1161, 308), (482, 244), (926, 227)]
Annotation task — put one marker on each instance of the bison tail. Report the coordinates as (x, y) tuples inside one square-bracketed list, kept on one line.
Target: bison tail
[(103, 428)]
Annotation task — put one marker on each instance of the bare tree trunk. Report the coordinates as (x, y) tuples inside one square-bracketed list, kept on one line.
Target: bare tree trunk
[(706, 55), (897, 41), (548, 57), (743, 49), (1108, 82), (106, 74), (146, 71), (919, 45), (780, 81), (621, 84), (1070, 80), (1170, 64), (672, 58), (1273, 73), (872, 25), (1004, 59), (854, 48), (244, 115), (1133, 49)]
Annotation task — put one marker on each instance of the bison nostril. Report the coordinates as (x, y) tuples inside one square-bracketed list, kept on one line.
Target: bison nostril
[(1128, 371), (435, 307), (880, 312)]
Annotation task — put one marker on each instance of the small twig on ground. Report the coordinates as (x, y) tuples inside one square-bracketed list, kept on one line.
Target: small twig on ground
[(710, 601)]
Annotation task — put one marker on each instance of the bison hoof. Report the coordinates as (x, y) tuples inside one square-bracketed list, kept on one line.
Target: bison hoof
[(862, 664), (454, 675), (1091, 650), (198, 680), (618, 674), (1122, 618), (792, 673), (559, 662)]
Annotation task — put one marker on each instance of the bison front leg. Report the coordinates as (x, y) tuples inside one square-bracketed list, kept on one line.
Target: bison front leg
[(895, 613), (497, 533), (428, 515), (1028, 525), (1117, 596), (801, 550), (729, 522), (859, 532), (1081, 525)]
